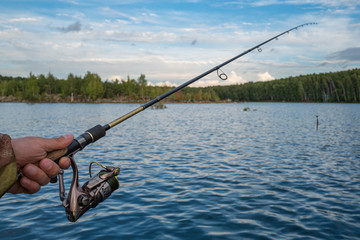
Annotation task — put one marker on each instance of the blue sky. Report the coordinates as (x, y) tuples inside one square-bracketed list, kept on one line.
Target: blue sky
[(173, 41)]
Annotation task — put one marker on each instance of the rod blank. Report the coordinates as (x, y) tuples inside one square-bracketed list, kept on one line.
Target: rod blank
[(79, 143)]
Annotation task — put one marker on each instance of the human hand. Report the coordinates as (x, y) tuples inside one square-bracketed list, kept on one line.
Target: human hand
[(30, 150)]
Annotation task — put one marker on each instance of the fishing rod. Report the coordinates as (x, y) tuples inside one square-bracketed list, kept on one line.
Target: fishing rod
[(100, 187)]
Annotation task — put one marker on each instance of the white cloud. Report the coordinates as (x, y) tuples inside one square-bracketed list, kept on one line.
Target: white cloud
[(163, 84), (25, 19), (114, 78), (263, 77), (232, 79), (115, 43), (71, 1), (235, 79), (328, 3)]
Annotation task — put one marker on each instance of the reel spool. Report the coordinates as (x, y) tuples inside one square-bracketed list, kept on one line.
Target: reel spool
[(93, 192)]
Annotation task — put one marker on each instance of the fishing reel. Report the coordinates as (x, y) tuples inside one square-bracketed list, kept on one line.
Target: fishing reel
[(93, 192)]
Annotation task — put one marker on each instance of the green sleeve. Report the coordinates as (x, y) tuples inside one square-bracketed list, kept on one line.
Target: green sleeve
[(8, 168)]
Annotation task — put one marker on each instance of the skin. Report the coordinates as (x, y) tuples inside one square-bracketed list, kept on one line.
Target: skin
[(30, 150)]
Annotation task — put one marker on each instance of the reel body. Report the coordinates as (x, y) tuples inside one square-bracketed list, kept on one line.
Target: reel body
[(94, 191)]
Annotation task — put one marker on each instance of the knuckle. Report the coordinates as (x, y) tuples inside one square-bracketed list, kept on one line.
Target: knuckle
[(36, 175), (49, 167), (29, 185)]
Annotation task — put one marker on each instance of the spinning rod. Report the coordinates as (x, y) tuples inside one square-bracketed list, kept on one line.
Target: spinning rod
[(99, 131), (100, 187)]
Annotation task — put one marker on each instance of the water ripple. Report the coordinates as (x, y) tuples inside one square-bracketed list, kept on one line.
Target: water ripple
[(202, 171)]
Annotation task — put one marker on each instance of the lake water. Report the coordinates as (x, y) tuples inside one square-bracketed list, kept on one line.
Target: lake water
[(200, 171)]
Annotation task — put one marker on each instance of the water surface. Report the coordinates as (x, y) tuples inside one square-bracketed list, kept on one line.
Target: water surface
[(200, 171)]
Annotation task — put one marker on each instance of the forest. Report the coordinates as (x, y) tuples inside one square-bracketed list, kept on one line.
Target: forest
[(342, 86)]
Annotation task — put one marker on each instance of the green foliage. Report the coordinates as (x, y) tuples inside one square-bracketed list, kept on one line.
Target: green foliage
[(142, 84), (341, 86), (31, 89), (93, 87)]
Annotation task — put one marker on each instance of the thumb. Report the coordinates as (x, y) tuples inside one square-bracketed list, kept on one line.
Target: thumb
[(51, 144)]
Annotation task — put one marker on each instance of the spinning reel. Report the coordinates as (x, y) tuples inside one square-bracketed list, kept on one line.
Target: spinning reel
[(94, 191)]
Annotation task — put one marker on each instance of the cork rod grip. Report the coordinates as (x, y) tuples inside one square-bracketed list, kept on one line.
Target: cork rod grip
[(57, 154)]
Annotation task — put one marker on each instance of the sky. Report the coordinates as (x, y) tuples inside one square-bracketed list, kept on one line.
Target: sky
[(176, 40)]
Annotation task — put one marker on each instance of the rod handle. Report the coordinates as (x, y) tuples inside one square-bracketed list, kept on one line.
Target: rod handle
[(57, 154), (90, 136), (79, 143)]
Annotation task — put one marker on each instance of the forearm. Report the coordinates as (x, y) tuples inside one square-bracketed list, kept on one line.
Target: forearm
[(8, 168)]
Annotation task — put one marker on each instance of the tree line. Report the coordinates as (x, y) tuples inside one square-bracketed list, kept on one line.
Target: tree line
[(91, 88), (341, 86)]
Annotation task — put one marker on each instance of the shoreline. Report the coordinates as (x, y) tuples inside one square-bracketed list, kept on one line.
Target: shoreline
[(123, 99), (58, 99)]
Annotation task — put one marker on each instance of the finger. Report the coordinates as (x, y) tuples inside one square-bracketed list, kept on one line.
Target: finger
[(64, 163), (17, 188), (50, 168), (29, 185), (51, 144), (34, 173)]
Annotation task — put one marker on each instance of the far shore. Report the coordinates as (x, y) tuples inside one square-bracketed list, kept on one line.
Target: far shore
[(122, 99)]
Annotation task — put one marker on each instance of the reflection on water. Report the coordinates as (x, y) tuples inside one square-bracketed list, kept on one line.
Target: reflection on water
[(201, 171)]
